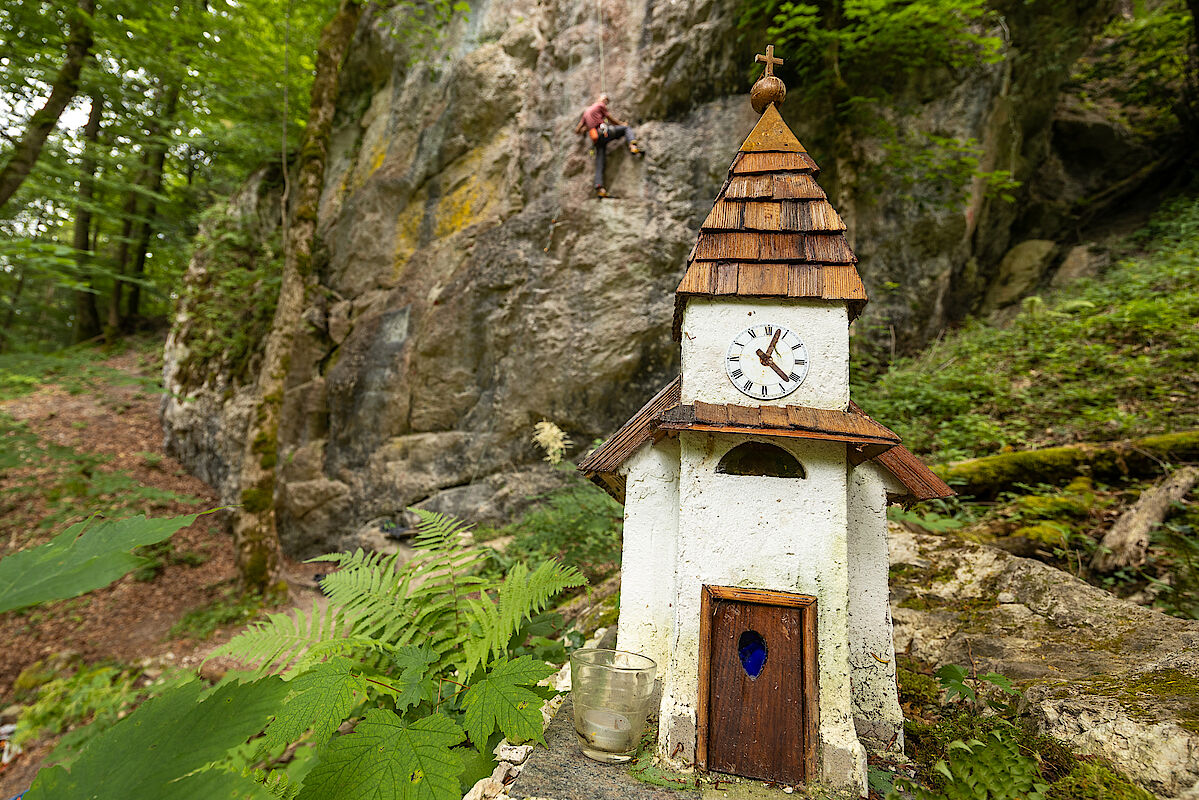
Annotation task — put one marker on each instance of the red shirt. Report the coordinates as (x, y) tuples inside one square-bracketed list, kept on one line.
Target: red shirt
[(594, 115)]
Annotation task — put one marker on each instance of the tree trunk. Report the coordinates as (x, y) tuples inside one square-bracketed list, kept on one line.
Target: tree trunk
[(986, 477), (66, 84), (87, 321), (157, 154), (1127, 542), (255, 536)]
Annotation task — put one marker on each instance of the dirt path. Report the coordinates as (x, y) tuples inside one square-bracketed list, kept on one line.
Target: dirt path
[(128, 622)]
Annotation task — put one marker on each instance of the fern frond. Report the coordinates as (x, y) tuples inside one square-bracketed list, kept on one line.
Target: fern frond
[(277, 783), (274, 644), (522, 595)]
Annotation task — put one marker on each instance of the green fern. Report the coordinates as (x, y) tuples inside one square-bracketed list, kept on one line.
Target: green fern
[(522, 595), (284, 642)]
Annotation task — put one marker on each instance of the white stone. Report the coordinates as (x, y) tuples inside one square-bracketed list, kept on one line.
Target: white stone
[(513, 753), (710, 324)]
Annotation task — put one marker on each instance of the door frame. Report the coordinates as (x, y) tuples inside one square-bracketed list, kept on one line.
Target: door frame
[(709, 595)]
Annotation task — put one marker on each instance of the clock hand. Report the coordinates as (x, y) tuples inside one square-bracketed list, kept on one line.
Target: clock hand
[(768, 362), (773, 342)]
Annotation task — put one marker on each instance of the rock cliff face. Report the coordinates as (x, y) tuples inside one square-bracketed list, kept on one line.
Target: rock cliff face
[(470, 286)]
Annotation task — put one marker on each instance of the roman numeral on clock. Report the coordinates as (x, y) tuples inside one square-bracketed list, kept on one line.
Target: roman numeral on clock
[(793, 377), (736, 374), (749, 385)]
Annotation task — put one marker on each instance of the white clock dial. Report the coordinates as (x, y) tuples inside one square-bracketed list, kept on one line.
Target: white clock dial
[(766, 362)]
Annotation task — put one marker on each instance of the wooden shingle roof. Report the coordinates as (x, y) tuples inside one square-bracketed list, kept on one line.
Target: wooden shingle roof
[(772, 231), (665, 414)]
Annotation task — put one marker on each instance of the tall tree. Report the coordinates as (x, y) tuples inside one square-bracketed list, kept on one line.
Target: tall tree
[(87, 321), (255, 534), (157, 153), (63, 89)]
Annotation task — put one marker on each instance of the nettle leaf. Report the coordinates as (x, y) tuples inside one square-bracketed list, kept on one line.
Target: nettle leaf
[(503, 699), (86, 556), (388, 759), (155, 750), (412, 684), (320, 698), (953, 680), (1001, 682)]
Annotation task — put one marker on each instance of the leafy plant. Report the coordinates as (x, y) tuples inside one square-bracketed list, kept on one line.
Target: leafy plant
[(230, 608), (987, 691), (579, 525), (419, 659), (84, 557), (83, 703), (992, 769)]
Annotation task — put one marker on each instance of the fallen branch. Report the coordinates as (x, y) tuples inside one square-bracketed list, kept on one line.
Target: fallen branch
[(1152, 455), (1126, 543)]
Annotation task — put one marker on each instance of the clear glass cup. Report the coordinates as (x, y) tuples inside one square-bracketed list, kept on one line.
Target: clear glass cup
[(611, 691)]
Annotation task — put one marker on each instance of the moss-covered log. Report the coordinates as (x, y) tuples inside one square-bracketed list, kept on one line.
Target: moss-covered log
[(986, 477)]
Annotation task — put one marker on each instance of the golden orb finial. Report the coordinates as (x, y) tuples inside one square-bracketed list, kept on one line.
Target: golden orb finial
[(769, 88)]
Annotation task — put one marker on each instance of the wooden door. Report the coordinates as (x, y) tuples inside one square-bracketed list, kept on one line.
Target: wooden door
[(759, 718)]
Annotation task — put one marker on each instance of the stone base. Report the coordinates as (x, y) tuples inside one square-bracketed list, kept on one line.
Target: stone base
[(560, 771)]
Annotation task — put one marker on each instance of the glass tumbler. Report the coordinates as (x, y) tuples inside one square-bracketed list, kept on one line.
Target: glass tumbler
[(611, 691)]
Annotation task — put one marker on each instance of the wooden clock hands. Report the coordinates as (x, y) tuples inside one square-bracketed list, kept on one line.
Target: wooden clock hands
[(767, 361)]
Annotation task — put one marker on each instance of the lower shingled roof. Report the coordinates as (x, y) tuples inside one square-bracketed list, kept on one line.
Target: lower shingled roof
[(665, 414)]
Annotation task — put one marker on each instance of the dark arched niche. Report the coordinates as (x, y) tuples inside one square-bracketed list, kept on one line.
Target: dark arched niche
[(762, 459)]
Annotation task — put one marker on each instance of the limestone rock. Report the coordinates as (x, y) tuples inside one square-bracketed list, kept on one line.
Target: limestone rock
[(1102, 674), (1083, 261), (1019, 273), (470, 286)]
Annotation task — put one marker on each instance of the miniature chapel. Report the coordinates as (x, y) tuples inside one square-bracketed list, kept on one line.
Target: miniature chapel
[(755, 491)]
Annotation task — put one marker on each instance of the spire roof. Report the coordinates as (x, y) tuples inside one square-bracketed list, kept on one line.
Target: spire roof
[(772, 231)]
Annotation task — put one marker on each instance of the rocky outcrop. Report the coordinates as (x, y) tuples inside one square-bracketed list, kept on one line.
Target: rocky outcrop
[(470, 286), (1103, 675)]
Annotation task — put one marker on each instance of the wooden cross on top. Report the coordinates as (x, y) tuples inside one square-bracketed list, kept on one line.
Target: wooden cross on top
[(769, 60)]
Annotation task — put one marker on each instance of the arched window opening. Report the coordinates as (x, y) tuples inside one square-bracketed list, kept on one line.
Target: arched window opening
[(760, 459)]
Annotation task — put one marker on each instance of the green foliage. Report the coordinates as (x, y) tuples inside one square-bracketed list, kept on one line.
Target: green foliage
[(1175, 549), (579, 525), (501, 700), (992, 769), (231, 608), (1105, 359), (418, 764), (1090, 780), (990, 690), (873, 47), (165, 748), (84, 557), (230, 306), (1142, 65), (83, 702)]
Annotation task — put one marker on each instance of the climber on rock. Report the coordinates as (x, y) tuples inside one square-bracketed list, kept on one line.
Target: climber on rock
[(602, 128)]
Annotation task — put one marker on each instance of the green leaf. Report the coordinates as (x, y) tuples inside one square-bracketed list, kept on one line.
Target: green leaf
[(1001, 682), (412, 684), (320, 698), (154, 751), (501, 699), (387, 759), (86, 556), (953, 681)]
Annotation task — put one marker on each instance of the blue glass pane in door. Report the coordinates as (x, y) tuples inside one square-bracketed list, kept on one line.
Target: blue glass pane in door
[(751, 647)]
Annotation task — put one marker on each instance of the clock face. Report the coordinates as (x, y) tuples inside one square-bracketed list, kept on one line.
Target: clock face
[(766, 362)]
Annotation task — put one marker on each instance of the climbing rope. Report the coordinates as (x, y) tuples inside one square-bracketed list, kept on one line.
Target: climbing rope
[(599, 21)]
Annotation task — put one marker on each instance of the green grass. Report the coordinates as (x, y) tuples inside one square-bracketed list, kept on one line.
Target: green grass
[(228, 609), (77, 369), (579, 525), (1109, 358)]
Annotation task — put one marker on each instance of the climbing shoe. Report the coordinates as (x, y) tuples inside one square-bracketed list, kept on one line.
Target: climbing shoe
[(601, 191), (635, 150)]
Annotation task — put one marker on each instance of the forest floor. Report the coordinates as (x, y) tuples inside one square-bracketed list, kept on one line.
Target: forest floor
[(79, 437)]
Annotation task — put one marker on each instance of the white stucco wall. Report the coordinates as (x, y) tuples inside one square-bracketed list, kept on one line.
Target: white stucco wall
[(871, 646), (767, 533), (710, 324), (651, 527)]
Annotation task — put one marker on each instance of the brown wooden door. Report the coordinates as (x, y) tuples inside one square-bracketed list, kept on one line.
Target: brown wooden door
[(757, 709)]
